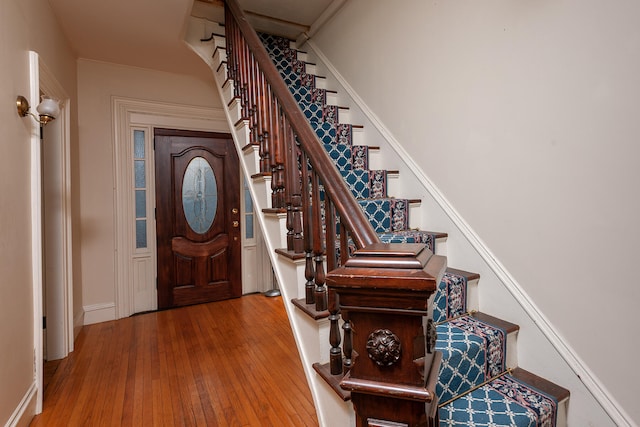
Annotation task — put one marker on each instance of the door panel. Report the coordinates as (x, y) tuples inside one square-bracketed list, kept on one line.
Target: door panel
[(197, 218)]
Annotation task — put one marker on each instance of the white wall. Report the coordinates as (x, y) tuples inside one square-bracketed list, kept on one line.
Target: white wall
[(524, 115), (17, 20), (98, 82)]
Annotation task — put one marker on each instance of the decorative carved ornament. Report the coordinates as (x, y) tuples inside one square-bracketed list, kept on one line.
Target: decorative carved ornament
[(384, 347)]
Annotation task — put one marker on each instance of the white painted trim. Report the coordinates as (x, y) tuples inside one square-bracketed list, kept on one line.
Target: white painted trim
[(23, 413), (50, 86), (36, 229), (128, 113), (96, 313), (588, 378), (42, 78)]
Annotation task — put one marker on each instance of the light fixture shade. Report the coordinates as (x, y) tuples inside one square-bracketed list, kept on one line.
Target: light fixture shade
[(48, 109)]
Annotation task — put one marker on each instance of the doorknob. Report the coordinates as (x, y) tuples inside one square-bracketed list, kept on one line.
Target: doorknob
[(236, 224), (234, 210)]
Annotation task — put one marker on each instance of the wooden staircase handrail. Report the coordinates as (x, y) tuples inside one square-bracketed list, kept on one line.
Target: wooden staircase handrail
[(351, 214), (383, 289)]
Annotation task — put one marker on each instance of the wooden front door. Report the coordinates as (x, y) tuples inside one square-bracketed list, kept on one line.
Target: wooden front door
[(197, 217)]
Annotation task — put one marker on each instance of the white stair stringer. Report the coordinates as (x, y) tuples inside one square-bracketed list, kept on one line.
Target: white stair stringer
[(310, 335)]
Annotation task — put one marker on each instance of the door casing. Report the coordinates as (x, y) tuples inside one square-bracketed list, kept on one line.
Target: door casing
[(131, 114), (41, 79)]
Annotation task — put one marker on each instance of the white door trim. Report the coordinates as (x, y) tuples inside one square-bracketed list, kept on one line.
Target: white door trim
[(50, 86), (36, 230), (129, 114), (41, 78)]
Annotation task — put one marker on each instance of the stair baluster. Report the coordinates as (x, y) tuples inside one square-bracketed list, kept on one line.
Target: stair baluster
[(257, 120), (291, 171), (330, 235), (307, 209), (335, 353), (279, 148), (244, 77), (320, 292), (253, 113), (348, 343), (344, 244)]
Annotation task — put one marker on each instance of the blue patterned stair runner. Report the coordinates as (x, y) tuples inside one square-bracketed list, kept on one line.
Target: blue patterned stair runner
[(504, 401), (473, 351)]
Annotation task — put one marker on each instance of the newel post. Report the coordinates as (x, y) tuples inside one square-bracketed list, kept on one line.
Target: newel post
[(386, 290)]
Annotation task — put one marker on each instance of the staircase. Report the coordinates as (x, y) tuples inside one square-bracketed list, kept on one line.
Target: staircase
[(479, 382)]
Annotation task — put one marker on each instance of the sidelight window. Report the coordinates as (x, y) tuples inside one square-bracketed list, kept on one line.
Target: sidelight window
[(248, 212), (140, 186)]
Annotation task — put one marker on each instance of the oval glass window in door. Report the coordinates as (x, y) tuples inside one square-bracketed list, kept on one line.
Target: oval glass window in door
[(199, 195)]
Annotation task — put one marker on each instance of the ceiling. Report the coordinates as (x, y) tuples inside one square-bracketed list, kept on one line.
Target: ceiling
[(149, 33)]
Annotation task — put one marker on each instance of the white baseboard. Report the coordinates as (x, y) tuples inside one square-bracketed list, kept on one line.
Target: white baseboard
[(25, 411), (96, 313)]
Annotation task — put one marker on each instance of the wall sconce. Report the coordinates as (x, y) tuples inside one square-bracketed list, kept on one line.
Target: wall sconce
[(48, 109)]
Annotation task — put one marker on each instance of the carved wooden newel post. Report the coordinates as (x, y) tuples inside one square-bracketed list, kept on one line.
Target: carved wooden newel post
[(385, 291)]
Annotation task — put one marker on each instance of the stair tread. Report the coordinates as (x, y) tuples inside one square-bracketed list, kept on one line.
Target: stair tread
[(514, 399), (260, 175), (294, 256), (222, 64), (310, 309), (467, 275), (274, 210), (542, 384), (324, 370), (502, 324), (251, 145)]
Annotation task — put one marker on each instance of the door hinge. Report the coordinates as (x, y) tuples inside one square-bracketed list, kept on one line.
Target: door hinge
[(44, 322)]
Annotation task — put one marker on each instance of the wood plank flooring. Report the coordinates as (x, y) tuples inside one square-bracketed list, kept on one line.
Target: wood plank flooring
[(229, 363)]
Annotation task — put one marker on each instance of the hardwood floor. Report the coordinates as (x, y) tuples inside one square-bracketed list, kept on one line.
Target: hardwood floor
[(229, 363)]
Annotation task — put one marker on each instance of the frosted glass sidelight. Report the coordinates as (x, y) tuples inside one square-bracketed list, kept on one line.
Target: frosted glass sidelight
[(199, 195), (249, 227), (248, 203), (138, 144), (138, 166), (141, 233), (248, 209), (141, 203)]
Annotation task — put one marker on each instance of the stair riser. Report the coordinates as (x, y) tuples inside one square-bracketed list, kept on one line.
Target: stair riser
[(220, 54), (252, 156), (277, 223), (235, 110), (472, 295), (227, 91)]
